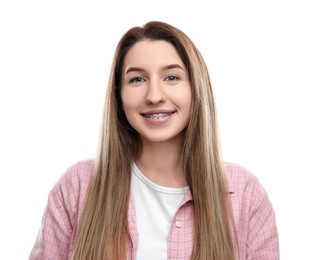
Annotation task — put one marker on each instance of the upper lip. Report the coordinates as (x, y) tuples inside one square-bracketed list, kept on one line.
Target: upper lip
[(158, 111)]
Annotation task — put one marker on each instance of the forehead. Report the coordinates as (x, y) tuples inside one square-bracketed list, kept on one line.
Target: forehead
[(148, 52)]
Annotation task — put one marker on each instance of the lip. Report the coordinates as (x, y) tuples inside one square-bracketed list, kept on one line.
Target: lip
[(158, 120), (158, 111)]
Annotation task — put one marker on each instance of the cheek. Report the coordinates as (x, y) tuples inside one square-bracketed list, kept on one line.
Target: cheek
[(184, 99), (125, 100), (186, 103), (128, 110), (129, 105), (131, 99)]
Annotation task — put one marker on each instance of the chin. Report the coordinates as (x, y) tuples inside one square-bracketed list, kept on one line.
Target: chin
[(163, 138)]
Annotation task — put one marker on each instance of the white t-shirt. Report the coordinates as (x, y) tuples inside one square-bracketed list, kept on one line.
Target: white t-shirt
[(155, 209)]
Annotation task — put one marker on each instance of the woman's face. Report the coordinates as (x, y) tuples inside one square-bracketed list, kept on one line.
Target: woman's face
[(156, 91)]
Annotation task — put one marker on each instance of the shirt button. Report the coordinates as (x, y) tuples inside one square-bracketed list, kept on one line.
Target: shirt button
[(178, 224)]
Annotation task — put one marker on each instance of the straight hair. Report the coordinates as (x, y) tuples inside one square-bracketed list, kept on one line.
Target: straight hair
[(103, 227)]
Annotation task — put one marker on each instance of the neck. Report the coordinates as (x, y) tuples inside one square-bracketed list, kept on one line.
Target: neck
[(160, 162)]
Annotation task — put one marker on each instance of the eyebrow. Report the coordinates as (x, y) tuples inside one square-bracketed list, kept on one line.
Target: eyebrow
[(171, 66)]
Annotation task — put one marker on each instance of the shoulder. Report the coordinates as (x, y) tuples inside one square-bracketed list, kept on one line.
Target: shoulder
[(68, 195), (72, 187), (78, 174), (253, 214), (239, 178), (246, 190), (65, 205), (248, 195)]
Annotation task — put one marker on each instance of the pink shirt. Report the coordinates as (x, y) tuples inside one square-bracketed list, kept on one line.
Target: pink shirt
[(254, 218)]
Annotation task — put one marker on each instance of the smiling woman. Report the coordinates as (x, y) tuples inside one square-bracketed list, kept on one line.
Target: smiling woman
[(158, 188), (156, 92)]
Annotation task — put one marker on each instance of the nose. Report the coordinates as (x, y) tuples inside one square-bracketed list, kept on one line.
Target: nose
[(155, 93)]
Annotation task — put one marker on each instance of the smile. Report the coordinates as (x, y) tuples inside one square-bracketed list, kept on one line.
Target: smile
[(157, 116)]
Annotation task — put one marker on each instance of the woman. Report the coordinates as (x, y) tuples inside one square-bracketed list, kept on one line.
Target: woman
[(158, 188)]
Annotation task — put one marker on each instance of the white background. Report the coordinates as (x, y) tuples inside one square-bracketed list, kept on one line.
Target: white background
[(55, 58)]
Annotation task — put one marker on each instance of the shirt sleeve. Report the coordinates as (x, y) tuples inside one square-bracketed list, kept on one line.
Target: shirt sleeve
[(53, 240), (263, 241)]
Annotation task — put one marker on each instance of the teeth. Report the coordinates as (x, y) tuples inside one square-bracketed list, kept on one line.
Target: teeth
[(156, 116)]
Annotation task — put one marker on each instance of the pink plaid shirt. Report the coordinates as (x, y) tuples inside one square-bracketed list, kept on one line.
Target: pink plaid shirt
[(253, 216)]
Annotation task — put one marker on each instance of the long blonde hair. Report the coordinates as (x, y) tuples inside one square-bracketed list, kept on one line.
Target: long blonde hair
[(103, 227)]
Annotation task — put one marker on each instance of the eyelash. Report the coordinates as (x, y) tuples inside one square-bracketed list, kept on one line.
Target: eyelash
[(174, 77), (138, 79)]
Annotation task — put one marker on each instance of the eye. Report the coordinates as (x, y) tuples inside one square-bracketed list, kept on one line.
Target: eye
[(136, 79), (172, 78)]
